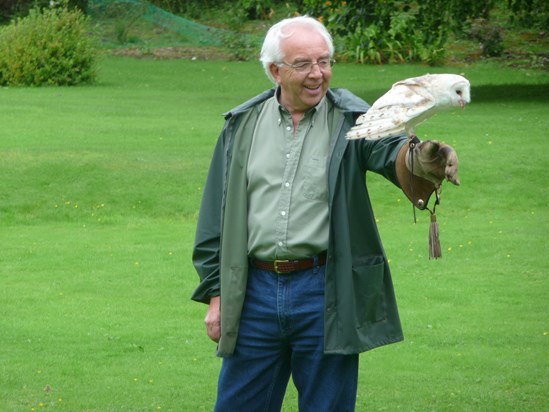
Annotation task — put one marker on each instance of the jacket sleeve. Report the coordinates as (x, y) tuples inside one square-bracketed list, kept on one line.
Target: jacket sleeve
[(387, 157), (206, 251), (380, 156)]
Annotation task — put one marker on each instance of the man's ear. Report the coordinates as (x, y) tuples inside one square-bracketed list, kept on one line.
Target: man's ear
[(275, 71)]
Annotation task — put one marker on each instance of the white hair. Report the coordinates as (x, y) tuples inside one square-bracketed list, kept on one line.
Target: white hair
[(271, 52)]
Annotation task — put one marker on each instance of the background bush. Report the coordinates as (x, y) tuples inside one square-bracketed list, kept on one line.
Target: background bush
[(489, 35), (394, 31), (48, 47), (10, 9)]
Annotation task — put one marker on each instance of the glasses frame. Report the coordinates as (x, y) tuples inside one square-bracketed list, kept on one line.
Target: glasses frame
[(308, 66)]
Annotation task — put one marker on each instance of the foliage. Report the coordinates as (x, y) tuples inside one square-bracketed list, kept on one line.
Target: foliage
[(257, 9), (460, 13), (48, 47), (489, 35), (402, 30), (240, 46), (19, 8), (192, 8), (530, 13), (254, 9), (381, 32), (394, 30)]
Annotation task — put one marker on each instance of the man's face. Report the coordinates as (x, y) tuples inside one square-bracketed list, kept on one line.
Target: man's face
[(301, 91)]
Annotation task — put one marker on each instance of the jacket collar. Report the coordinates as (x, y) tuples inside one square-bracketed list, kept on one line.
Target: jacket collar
[(342, 98), (347, 101), (250, 103)]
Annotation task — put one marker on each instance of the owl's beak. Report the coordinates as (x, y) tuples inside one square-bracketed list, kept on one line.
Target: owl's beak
[(462, 103)]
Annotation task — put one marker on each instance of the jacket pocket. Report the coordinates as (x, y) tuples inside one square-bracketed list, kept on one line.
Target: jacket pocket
[(315, 186), (368, 290)]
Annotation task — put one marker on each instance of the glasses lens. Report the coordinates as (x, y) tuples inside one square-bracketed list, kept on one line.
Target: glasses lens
[(303, 66)]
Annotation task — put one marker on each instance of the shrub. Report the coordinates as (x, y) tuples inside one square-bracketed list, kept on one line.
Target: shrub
[(530, 13), (48, 47), (383, 32), (19, 8), (257, 9), (489, 35)]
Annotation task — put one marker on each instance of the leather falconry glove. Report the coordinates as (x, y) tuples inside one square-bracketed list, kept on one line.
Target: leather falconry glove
[(434, 161)]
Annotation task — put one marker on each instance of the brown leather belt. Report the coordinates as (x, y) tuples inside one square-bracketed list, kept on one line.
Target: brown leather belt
[(283, 267)]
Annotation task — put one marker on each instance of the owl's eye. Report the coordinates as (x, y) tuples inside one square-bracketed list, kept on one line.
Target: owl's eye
[(458, 92)]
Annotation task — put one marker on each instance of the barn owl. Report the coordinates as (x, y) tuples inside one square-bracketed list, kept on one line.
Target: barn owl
[(410, 102)]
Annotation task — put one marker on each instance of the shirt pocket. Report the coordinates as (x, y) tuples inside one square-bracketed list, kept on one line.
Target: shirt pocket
[(315, 185)]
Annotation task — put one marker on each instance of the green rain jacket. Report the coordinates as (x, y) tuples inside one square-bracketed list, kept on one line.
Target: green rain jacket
[(360, 310)]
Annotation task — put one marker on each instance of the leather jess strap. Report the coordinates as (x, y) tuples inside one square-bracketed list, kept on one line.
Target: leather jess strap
[(283, 266)]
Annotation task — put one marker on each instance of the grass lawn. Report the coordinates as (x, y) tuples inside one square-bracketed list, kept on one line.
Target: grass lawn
[(100, 191)]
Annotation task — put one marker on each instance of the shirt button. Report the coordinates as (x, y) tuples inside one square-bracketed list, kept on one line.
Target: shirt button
[(287, 184), (283, 213), (280, 243), (287, 155), (288, 128)]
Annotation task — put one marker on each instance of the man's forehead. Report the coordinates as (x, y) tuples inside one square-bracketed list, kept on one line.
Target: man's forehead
[(304, 42)]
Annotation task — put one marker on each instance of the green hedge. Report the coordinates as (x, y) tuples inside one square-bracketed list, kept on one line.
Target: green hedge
[(48, 47)]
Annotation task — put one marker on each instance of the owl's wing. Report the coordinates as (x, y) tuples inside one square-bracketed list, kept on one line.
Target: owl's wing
[(396, 112)]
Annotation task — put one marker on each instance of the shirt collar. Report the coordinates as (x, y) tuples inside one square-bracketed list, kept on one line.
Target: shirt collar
[(313, 110)]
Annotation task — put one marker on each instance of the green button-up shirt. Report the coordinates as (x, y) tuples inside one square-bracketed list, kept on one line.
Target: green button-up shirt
[(287, 184)]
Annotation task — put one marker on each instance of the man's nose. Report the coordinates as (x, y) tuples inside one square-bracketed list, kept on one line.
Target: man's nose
[(315, 70)]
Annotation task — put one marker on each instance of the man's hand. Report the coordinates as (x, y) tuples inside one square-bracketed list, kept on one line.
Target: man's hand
[(435, 162), (213, 319)]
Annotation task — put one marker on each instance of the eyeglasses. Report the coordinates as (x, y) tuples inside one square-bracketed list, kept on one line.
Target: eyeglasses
[(306, 67)]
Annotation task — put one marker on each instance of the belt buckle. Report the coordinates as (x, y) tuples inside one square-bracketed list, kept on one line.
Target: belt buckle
[(276, 263)]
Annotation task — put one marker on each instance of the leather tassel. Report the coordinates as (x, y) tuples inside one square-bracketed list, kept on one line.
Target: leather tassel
[(434, 240)]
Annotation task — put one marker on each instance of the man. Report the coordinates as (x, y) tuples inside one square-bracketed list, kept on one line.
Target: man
[(287, 249)]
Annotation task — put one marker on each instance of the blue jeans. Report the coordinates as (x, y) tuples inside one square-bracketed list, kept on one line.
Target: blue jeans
[(281, 334)]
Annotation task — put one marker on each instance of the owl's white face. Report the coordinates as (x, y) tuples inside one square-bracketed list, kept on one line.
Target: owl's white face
[(450, 89), (462, 94)]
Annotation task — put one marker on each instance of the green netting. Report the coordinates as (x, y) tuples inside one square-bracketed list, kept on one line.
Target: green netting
[(133, 12)]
